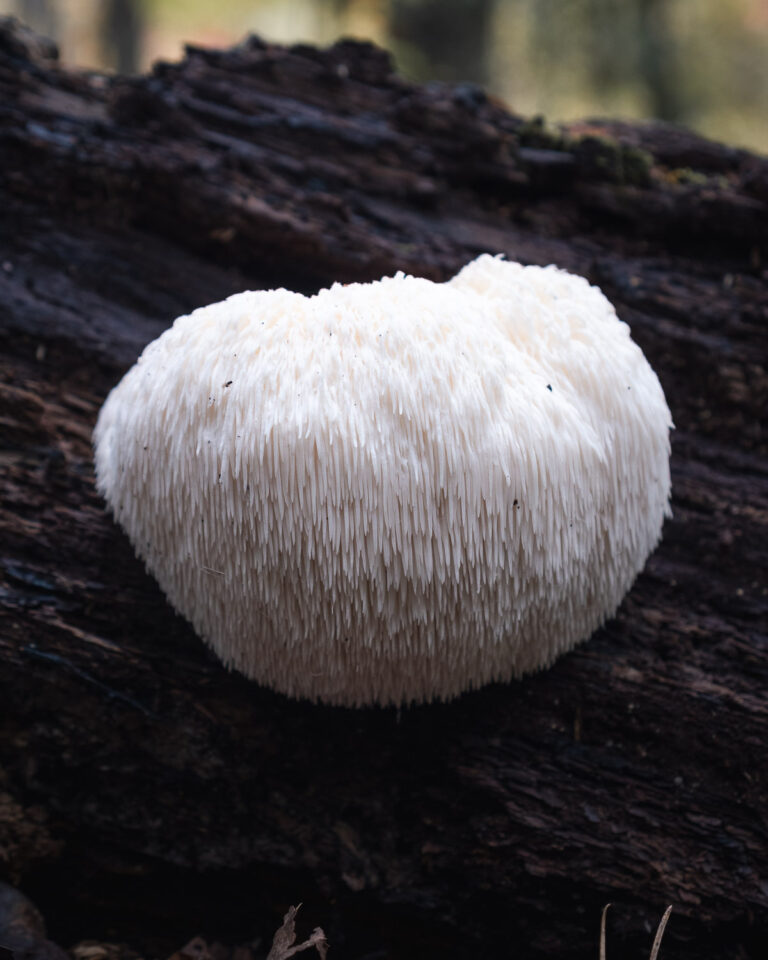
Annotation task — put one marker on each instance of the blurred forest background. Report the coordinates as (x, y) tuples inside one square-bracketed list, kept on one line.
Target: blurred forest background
[(703, 63)]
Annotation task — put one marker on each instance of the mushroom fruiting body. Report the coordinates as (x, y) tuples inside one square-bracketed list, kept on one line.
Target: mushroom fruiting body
[(395, 491)]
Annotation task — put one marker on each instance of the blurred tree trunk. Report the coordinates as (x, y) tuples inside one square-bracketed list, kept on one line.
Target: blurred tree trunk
[(443, 39), (121, 28), (658, 60), (619, 44)]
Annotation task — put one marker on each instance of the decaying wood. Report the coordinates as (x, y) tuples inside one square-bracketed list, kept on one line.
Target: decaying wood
[(165, 797)]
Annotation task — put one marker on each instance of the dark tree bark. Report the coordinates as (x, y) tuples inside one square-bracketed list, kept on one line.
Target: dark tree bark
[(145, 793)]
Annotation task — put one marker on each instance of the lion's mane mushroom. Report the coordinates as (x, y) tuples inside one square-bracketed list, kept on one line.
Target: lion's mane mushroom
[(395, 491)]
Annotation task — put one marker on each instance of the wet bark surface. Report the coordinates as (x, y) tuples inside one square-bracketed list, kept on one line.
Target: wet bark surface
[(146, 794)]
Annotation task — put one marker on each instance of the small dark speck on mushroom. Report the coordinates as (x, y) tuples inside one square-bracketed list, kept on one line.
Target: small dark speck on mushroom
[(514, 503), (228, 383), (549, 387)]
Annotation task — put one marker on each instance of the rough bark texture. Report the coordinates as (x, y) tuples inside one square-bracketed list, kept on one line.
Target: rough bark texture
[(145, 793)]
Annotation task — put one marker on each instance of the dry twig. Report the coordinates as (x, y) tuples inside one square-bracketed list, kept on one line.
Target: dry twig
[(283, 942)]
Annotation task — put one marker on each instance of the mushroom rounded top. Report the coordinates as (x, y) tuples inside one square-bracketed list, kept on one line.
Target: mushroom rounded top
[(396, 491)]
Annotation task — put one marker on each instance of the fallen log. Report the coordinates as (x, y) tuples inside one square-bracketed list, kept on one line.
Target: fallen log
[(145, 793)]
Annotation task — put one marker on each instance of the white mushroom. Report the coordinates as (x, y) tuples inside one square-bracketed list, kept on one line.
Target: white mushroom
[(395, 491)]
